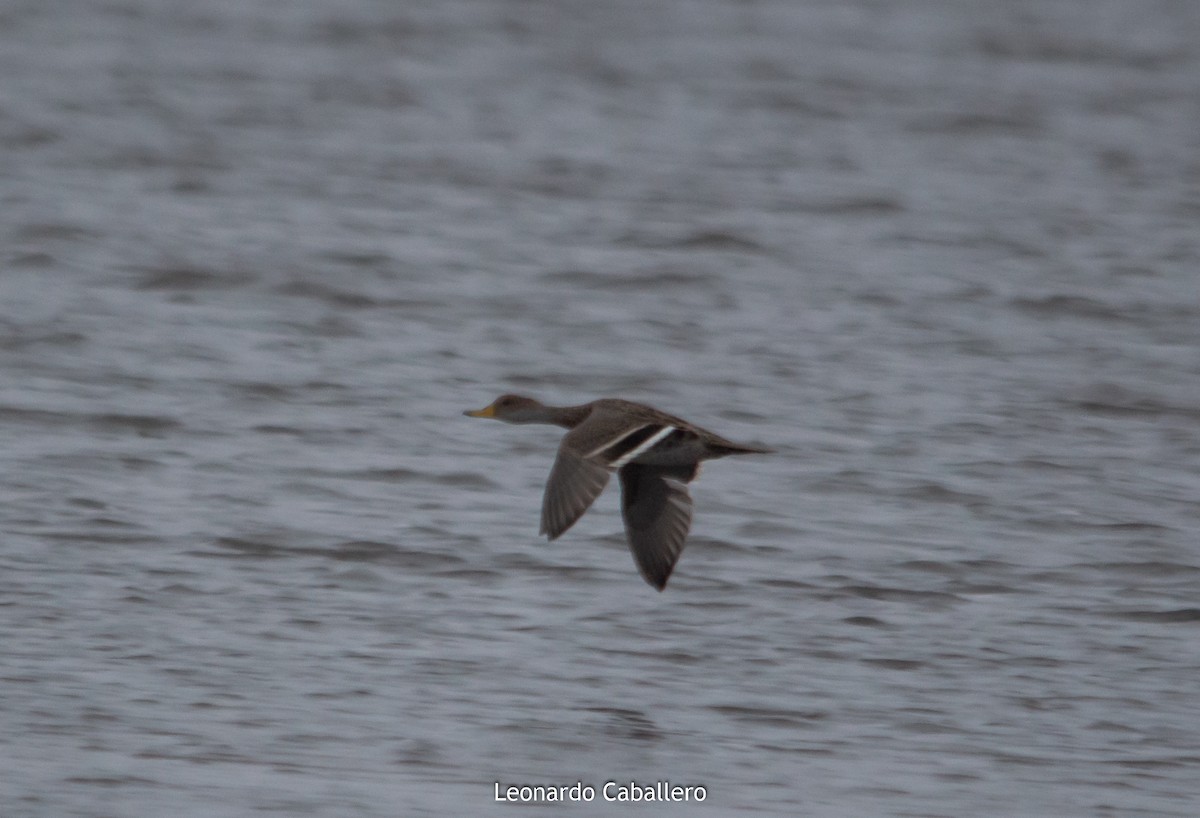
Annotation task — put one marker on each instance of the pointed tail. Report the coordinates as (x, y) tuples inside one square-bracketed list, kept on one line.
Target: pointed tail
[(727, 448)]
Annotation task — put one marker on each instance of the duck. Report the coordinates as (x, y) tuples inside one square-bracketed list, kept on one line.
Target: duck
[(654, 454)]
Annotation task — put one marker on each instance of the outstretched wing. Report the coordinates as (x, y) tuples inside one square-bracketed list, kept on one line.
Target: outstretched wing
[(658, 513), (587, 456), (575, 483)]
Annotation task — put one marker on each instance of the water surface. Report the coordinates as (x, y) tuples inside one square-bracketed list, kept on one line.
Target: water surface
[(258, 257)]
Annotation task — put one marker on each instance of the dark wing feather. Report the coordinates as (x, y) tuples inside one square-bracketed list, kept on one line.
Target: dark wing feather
[(574, 485), (658, 513)]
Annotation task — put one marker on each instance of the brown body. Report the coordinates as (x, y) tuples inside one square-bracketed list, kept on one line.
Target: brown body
[(655, 454)]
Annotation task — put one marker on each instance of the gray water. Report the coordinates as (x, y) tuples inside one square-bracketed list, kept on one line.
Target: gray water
[(256, 258)]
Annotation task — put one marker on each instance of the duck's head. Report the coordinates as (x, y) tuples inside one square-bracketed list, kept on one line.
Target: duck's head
[(512, 409)]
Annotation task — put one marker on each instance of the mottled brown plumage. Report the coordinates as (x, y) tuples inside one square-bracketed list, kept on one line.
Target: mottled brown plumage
[(655, 454)]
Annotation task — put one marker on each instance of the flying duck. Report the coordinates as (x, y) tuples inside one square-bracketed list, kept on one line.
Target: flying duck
[(655, 454)]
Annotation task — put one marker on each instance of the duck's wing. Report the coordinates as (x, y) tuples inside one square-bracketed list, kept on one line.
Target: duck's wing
[(575, 483), (658, 513), (585, 461), (612, 435), (617, 432)]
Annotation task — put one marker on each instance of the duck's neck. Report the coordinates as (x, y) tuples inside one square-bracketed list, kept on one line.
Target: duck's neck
[(567, 416)]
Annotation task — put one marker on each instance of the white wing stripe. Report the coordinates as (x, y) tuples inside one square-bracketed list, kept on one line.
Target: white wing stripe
[(616, 440), (648, 444)]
